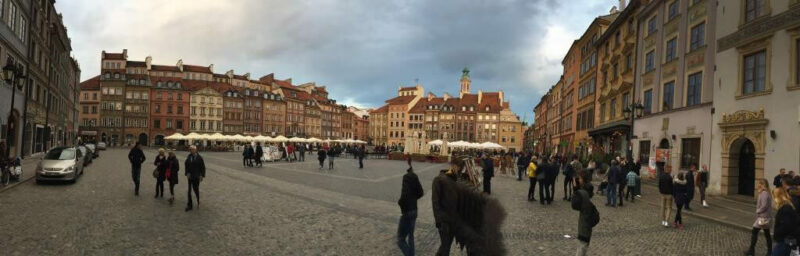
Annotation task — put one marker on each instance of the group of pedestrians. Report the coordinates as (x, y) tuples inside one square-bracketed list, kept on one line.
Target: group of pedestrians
[(167, 168), (251, 156), (785, 199)]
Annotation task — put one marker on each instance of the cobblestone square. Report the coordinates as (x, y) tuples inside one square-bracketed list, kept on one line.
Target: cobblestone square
[(297, 209)]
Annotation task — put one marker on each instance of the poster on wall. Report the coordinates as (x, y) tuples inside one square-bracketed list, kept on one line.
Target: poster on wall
[(662, 155), (651, 166)]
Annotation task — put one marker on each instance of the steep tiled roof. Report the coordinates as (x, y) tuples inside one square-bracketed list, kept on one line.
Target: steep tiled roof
[(164, 68), (383, 109), (419, 107), (91, 84), (491, 100), (135, 64), (282, 83), (400, 100), (198, 69)]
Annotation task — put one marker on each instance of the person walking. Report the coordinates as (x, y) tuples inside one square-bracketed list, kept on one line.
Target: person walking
[(588, 216), (690, 185), (331, 154), (161, 167), (172, 172), (570, 170), (680, 190), (532, 168), (787, 223), (665, 188), (362, 152), (321, 154), (637, 168), (551, 176), (702, 184), (522, 164), (259, 154), (614, 174), (195, 172), (411, 192), (246, 156), (488, 173), (763, 217), (622, 180), (290, 153), (301, 150), (136, 157), (541, 177)]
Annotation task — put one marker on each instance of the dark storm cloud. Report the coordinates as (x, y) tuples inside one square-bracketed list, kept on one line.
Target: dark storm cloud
[(361, 49)]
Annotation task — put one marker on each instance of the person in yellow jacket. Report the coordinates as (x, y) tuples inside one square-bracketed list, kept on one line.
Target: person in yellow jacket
[(532, 177)]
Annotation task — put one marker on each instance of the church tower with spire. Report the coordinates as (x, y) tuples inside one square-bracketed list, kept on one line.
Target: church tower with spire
[(465, 82)]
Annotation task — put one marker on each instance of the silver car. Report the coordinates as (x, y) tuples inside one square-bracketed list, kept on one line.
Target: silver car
[(61, 163), (101, 145)]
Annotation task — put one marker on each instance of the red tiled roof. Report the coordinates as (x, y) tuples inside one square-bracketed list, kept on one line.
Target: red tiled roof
[(491, 100), (198, 69), (135, 64), (419, 107), (469, 100), (383, 109), (164, 68), (91, 84), (283, 84), (114, 56), (400, 100)]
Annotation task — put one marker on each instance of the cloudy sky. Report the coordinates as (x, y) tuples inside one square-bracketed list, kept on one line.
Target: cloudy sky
[(362, 50)]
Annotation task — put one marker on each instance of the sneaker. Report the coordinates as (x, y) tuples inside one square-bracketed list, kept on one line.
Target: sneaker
[(639, 196), (705, 204)]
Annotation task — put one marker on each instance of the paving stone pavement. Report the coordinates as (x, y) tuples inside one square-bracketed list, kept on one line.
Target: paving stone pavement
[(297, 209)]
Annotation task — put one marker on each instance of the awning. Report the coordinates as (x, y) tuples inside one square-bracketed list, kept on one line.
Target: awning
[(623, 126)]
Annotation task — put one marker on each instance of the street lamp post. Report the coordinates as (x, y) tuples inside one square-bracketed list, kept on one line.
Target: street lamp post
[(631, 112), (14, 77)]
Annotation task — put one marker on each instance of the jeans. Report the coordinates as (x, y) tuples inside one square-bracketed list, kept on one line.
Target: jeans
[(532, 190), (544, 192), (621, 193), (678, 218), (487, 184), (567, 187), (666, 206), (611, 194), (702, 189), (172, 189), (405, 232), (135, 175), (630, 194), (446, 239), (159, 187), (330, 162), (361, 163), (638, 186), (302, 156), (520, 170), (781, 249), (194, 184), (583, 247)]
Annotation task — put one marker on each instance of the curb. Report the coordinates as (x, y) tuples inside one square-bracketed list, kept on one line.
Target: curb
[(21, 181), (709, 218)]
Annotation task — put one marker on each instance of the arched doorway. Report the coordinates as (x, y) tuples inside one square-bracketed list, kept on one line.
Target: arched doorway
[(746, 168), (663, 144), (143, 139)]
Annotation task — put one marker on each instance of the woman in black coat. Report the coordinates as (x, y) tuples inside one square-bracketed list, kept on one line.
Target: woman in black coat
[(160, 162), (171, 168)]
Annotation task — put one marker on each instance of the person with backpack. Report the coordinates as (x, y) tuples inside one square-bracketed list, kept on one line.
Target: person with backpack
[(410, 193), (588, 216), (665, 188)]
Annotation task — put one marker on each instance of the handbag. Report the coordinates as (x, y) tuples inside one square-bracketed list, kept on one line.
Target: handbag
[(763, 222), (155, 173)]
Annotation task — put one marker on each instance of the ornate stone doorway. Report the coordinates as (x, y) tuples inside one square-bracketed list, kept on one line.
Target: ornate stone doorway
[(743, 143)]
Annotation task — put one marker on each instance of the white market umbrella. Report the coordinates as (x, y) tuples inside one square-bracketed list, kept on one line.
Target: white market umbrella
[(280, 138), (361, 142), (312, 139), (176, 136), (217, 137), (297, 139), (193, 136), (238, 137), (435, 143), (260, 138)]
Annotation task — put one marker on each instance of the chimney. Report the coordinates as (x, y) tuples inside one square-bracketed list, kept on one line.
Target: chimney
[(147, 61), (480, 96), (446, 96), (621, 5), (430, 96), (211, 68), (125, 53), (180, 65)]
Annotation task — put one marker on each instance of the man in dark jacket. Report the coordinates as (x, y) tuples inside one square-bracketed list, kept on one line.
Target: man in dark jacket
[(582, 202), (614, 174), (551, 176), (522, 164), (136, 157), (410, 193), (690, 186), (445, 199), (301, 150), (488, 172), (321, 154), (777, 180), (195, 170), (362, 152), (541, 177), (259, 154), (665, 189)]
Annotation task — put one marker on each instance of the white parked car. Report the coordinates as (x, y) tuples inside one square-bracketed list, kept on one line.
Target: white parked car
[(101, 146)]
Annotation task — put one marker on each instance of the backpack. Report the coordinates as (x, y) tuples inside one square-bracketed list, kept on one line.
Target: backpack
[(594, 216)]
